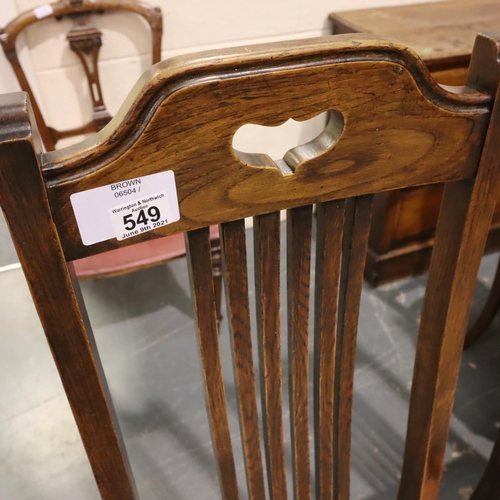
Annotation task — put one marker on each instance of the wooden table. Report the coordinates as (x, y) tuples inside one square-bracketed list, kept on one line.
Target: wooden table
[(442, 33)]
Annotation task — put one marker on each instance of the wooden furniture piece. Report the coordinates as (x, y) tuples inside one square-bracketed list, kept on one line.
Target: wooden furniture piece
[(442, 33), (390, 127), (86, 40)]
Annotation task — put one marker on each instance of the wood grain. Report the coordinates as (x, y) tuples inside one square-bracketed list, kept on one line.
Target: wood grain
[(267, 292), (393, 128), (442, 33), (202, 289), (299, 223), (234, 260), (329, 232), (354, 248), (405, 113), (463, 225), (57, 298)]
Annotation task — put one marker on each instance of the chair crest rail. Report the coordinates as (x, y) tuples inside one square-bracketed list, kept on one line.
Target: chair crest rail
[(183, 114)]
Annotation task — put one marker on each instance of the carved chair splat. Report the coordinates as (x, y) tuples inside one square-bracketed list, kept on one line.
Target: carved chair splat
[(85, 40)]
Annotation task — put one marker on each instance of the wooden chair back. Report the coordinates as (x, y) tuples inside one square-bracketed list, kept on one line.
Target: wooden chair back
[(390, 127), (85, 40)]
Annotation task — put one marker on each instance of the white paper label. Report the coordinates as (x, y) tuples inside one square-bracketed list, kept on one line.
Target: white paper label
[(43, 11), (140, 216), (127, 208)]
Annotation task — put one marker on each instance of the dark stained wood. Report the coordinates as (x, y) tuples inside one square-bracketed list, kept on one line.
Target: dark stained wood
[(489, 82), (199, 260), (412, 260), (85, 41), (299, 223), (354, 248), (463, 225), (402, 233), (238, 307), (56, 295), (239, 180), (329, 232), (442, 34), (390, 127), (267, 292)]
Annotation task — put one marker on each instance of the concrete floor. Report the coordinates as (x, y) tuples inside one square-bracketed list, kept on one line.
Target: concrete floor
[(144, 328)]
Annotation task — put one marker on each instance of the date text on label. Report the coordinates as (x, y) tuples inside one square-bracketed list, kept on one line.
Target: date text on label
[(140, 216)]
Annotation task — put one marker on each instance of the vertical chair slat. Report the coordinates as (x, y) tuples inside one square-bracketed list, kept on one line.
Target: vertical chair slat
[(464, 221), (267, 291), (330, 227), (460, 238), (463, 225), (354, 249), (199, 259), (299, 221), (236, 282)]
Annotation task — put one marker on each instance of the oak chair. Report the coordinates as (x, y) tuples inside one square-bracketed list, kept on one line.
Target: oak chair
[(85, 41), (390, 127)]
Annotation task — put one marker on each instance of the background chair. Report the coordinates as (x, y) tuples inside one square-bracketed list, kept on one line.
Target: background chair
[(390, 127), (85, 41)]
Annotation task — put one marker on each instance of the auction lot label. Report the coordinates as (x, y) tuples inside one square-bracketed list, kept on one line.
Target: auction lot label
[(126, 209)]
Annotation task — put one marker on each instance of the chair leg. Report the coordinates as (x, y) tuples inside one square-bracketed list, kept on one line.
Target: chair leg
[(489, 486), (217, 274), (489, 311)]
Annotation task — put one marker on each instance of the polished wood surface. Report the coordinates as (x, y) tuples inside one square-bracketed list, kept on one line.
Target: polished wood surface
[(298, 246), (354, 248), (442, 34), (489, 486), (122, 151), (202, 289), (330, 228), (267, 290), (238, 306), (57, 297), (390, 127)]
